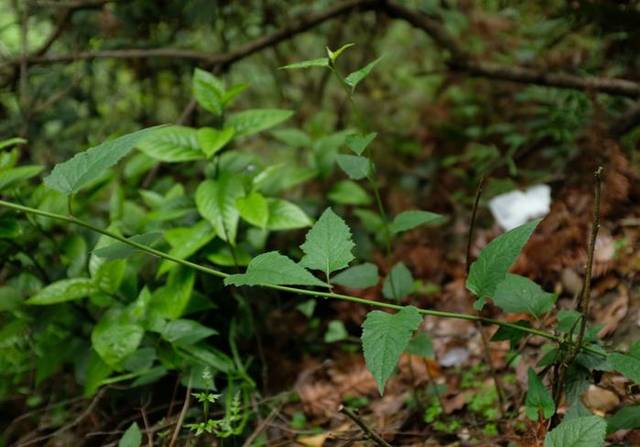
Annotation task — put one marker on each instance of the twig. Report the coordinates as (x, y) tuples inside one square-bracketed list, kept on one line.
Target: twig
[(472, 223), (364, 427), (261, 427), (183, 413)]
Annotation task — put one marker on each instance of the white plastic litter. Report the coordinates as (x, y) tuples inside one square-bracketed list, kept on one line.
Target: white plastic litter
[(518, 207)]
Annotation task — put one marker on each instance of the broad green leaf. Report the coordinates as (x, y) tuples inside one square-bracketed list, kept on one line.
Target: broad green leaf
[(221, 255), (586, 431), (95, 371), (420, 345), (335, 332), (208, 91), (334, 55), (293, 137), (272, 268), (115, 339), (494, 261), (358, 276), (567, 320), (207, 356), (320, 62), (627, 364), (212, 140), (216, 202), (186, 332), (232, 92), (120, 250), (185, 241), (538, 398), (9, 177), (73, 174), (408, 220), (172, 144), (511, 334), (254, 208), (519, 294), (398, 283), (626, 418), (284, 215), (255, 120), (10, 298), (132, 437), (328, 244), (358, 142), (108, 274), (384, 337), (74, 255), (353, 79), (355, 166), (347, 192), (63, 290), (9, 228), (171, 300)]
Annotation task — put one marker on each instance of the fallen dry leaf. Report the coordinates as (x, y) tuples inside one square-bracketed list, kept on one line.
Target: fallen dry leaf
[(600, 400)]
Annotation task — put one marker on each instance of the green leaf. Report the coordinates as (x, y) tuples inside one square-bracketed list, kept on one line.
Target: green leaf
[(494, 261), (253, 121), (186, 332), (132, 437), (334, 55), (254, 208), (353, 79), (398, 283), (9, 177), (212, 140), (587, 431), (12, 142), (68, 177), (120, 250), (355, 166), (10, 298), (335, 332), (208, 91), (567, 320), (320, 62), (538, 398), (347, 192), (9, 228), (626, 418), (213, 358), (384, 337), (292, 137), (284, 215), (328, 244), (513, 335), (358, 276), (107, 275), (358, 142), (408, 220), (63, 290), (519, 294), (96, 370), (172, 144), (272, 268), (232, 92), (420, 345), (171, 300), (627, 364), (185, 241), (114, 339), (216, 202)]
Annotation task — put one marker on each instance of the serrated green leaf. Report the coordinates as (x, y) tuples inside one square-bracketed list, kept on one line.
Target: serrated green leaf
[(63, 290), (254, 208), (208, 91), (253, 121), (398, 283), (358, 276), (335, 332), (9, 177), (358, 142), (494, 261), (320, 62), (384, 337), (114, 339), (420, 345), (328, 244), (626, 418), (355, 166), (172, 144), (587, 431), (519, 294), (627, 364), (211, 140), (120, 250), (186, 332), (272, 268), (353, 79), (284, 215), (538, 398), (132, 437), (185, 241), (347, 192), (216, 202), (408, 220)]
